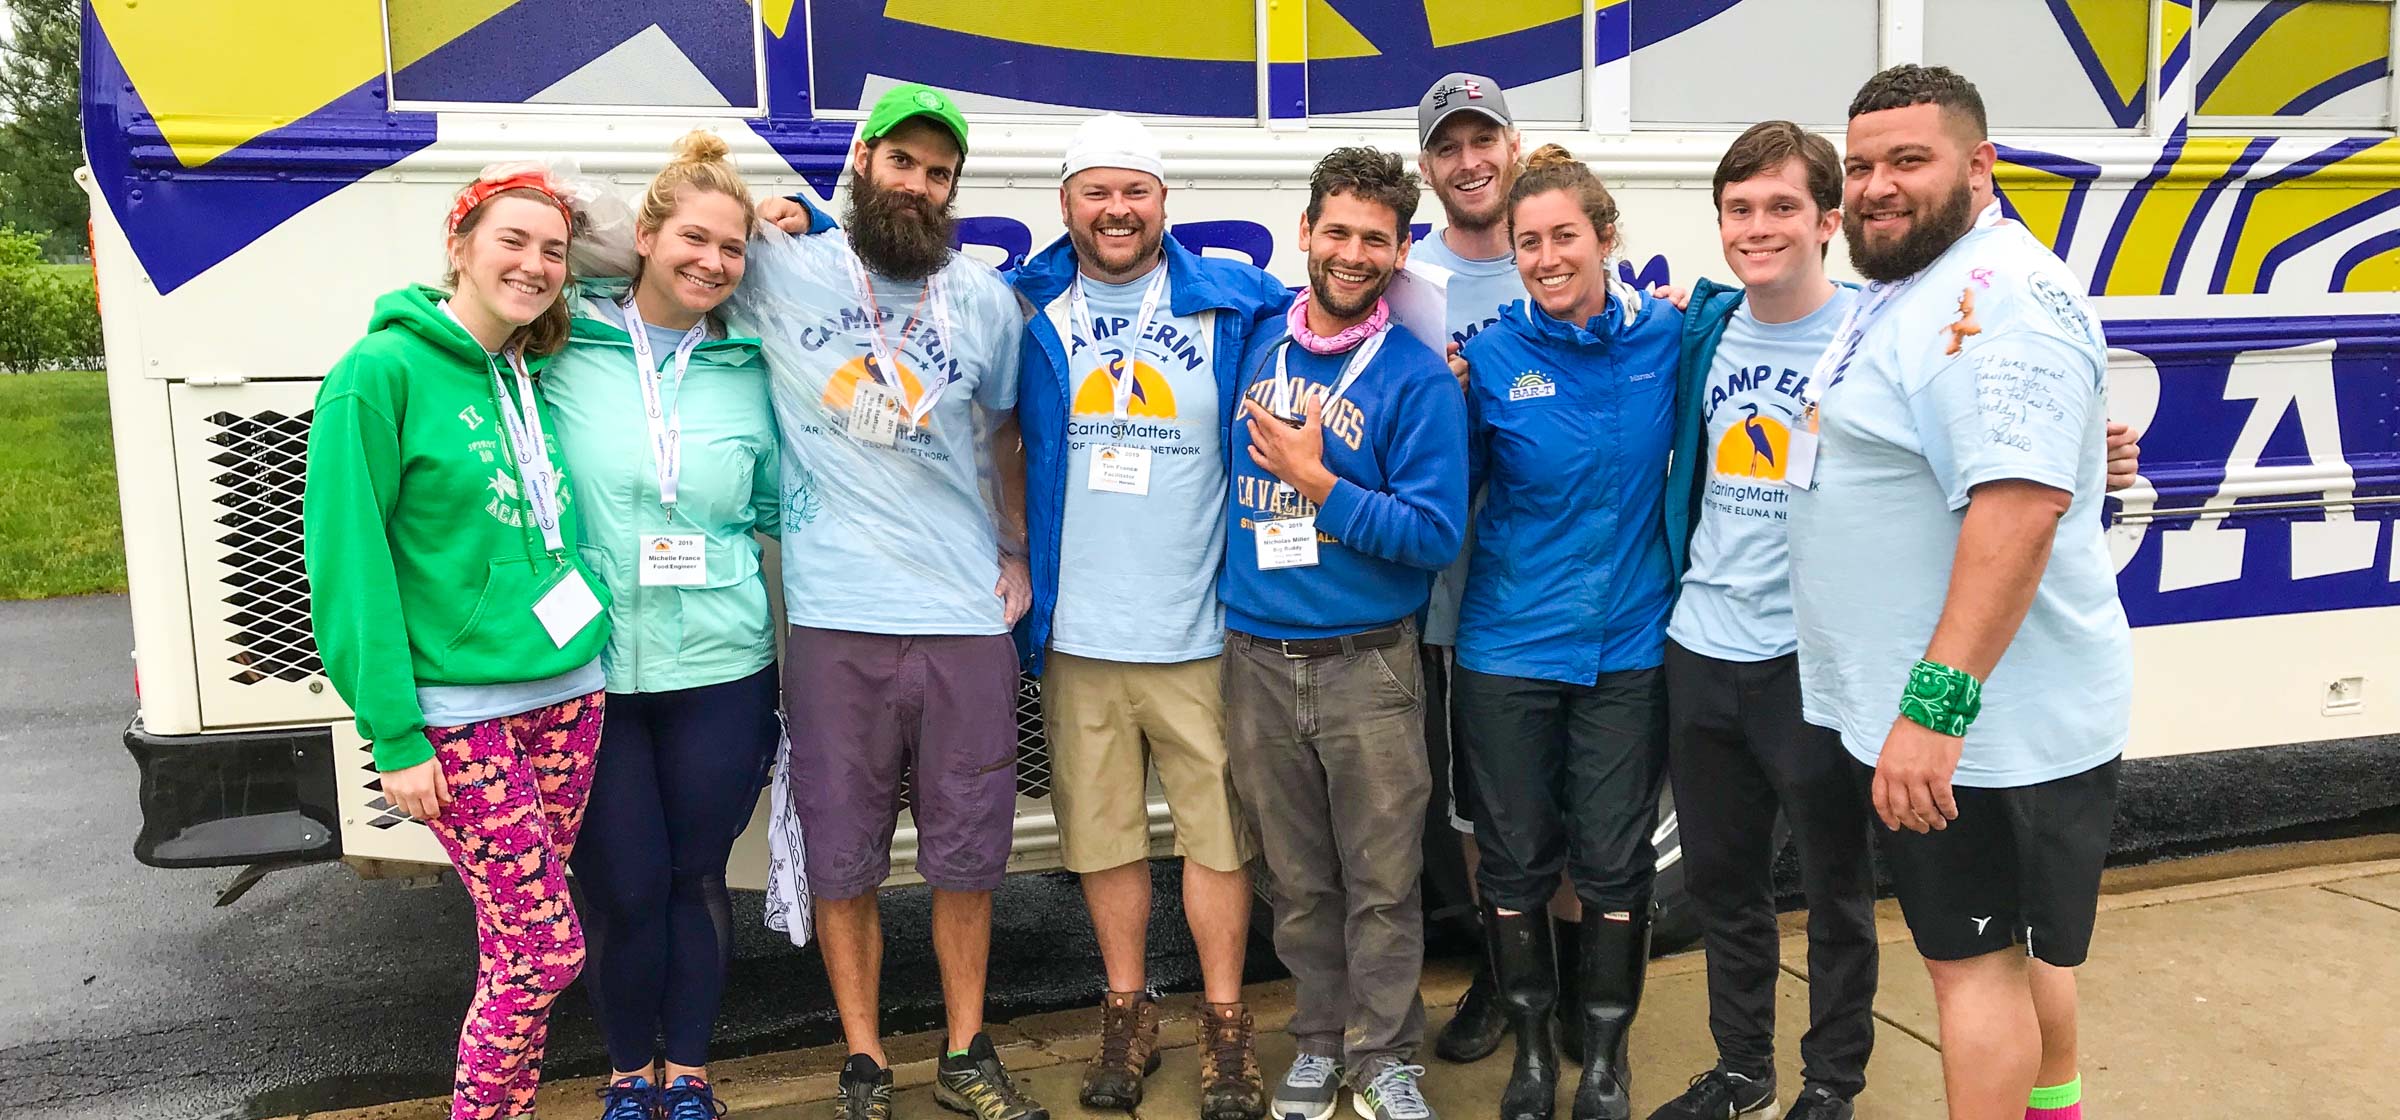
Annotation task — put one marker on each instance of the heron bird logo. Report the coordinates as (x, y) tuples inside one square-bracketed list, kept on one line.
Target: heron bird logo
[(1756, 447)]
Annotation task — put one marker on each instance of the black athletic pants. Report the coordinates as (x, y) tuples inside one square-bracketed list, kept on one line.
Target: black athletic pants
[(1737, 751)]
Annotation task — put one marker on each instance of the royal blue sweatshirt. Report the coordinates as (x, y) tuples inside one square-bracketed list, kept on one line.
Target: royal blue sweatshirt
[(1397, 442)]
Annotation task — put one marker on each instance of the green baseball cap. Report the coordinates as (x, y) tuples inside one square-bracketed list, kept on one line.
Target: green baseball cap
[(914, 99)]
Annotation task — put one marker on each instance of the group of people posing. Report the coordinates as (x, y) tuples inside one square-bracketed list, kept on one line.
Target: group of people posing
[(1807, 548)]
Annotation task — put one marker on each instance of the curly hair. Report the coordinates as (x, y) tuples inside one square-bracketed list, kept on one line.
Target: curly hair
[(1553, 168), (1367, 174), (1910, 84)]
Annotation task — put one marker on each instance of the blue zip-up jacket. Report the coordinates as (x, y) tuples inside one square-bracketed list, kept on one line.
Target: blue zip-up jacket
[(1570, 429), (1396, 443), (1704, 319), (1246, 300)]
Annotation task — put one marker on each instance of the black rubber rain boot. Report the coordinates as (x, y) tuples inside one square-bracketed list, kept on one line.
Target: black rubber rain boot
[(1525, 972), (1615, 958), (1568, 937)]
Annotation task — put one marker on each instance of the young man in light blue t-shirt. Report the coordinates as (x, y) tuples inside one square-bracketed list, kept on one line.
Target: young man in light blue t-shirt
[(1956, 602), (1738, 749)]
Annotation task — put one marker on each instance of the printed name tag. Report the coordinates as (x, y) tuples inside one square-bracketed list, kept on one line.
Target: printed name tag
[(1286, 542), (673, 560), (1121, 470), (566, 608), (874, 414), (1800, 459)]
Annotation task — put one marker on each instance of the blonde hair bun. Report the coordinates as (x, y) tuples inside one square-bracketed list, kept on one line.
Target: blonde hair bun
[(702, 146), (1549, 155)]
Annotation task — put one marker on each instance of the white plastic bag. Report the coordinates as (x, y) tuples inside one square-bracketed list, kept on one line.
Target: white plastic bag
[(789, 909)]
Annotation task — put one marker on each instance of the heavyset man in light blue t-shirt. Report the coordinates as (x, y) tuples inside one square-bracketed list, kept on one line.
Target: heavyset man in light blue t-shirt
[(1129, 368), (1956, 603)]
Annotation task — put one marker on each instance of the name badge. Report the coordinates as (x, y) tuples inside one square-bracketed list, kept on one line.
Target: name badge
[(1121, 470), (874, 414), (566, 608), (1286, 542), (673, 560), (1800, 455)]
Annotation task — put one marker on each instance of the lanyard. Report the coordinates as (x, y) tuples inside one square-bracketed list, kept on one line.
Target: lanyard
[(521, 435), (666, 424), (885, 366), (1287, 392), (521, 419), (1836, 359), (1121, 375)]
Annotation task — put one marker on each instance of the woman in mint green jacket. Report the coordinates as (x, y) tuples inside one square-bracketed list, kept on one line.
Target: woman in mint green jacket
[(668, 433)]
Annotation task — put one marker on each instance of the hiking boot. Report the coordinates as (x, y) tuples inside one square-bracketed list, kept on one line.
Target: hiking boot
[(1230, 1085), (974, 1083), (1128, 1052), (864, 1091), (1476, 1029), (1392, 1094), (1310, 1089), (1721, 1094)]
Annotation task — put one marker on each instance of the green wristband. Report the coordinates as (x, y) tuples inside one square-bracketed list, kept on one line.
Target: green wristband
[(1941, 699)]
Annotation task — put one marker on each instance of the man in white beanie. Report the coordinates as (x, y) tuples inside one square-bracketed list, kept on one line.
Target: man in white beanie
[(1127, 382)]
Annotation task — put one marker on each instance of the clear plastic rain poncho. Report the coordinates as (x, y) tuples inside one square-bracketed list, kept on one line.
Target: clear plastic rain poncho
[(886, 396)]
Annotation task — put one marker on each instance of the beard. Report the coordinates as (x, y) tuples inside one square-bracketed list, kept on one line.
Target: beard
[(898, 234), (1320, 290), (1927, 239), (1087, 249)]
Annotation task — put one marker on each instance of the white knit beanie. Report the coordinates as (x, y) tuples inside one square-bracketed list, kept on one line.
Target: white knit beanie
[(1112, 140)]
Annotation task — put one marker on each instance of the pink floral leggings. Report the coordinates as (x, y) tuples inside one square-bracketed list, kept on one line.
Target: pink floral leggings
[(518, 786)]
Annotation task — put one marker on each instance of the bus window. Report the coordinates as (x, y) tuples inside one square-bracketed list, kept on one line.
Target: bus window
[(1375, 60), (2315, 63), (690, 54), (1045, 57), (1729, 65), (2080, 66)]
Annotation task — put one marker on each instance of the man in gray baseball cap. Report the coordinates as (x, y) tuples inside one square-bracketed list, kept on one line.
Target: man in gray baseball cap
[(1460, 92)]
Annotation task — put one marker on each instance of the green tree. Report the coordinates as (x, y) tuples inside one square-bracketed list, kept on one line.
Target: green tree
[(41, 139)]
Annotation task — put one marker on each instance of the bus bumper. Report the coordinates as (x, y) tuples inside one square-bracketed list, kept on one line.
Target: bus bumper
[(234, 799)]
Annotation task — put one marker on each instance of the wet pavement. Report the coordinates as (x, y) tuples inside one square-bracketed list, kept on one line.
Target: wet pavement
[(128, 994)]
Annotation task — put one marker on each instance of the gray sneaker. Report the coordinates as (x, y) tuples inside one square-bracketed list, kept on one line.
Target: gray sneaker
[(1310, 1089), (1393, 1095)]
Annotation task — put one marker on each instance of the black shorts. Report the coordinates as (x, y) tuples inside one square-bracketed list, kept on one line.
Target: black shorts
[(2019, 866)]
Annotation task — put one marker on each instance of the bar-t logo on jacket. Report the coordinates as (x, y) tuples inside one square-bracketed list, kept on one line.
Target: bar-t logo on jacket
[(1530, 385)]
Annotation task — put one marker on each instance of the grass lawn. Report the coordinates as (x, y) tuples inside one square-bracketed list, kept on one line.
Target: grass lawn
[(59, 533)]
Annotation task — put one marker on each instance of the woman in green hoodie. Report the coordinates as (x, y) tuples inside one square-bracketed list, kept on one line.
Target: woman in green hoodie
[(452, 606), (667, 429)]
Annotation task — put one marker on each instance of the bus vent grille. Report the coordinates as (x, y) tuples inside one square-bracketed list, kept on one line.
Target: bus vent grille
[(262, 459), (1033, 746)]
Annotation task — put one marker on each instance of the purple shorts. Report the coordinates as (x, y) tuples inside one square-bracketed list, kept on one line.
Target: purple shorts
[(865, 709)]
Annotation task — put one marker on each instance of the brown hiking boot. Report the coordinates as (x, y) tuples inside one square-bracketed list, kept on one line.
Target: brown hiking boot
[(1128, 1052), (1230, 1087)]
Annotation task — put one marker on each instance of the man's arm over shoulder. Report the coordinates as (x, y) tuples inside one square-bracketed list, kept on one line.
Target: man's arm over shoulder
[(1418, 518)]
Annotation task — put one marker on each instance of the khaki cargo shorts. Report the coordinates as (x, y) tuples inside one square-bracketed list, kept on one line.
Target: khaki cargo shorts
[(1108, 722)]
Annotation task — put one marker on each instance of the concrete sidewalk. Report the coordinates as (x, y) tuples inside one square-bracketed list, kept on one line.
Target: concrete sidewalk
[(2239, 977)]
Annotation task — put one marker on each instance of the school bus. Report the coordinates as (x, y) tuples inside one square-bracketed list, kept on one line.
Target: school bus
[(2222, 174)]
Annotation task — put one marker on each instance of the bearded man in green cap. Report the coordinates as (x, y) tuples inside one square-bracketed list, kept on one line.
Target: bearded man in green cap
[(894, 381)]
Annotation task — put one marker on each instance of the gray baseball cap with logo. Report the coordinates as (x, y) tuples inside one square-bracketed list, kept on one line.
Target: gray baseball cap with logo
[(1460, 92)]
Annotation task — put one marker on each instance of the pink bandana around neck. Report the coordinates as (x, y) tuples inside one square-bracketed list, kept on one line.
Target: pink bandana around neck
[(1350, 336)]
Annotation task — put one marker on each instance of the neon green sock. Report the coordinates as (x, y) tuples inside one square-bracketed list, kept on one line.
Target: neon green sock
[(963, 1053), (2057, 1096)]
